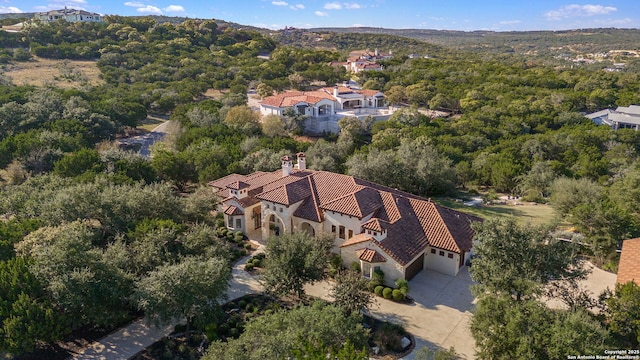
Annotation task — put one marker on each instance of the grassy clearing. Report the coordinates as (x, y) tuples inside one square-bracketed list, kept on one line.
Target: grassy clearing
[(65, 74), (525, 214), (151, 122)]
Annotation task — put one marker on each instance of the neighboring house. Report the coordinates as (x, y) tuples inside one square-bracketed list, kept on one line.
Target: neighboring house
[(324, 102), (624, 117), (361, 60), (372, 225), (629, 266), (70, 15)]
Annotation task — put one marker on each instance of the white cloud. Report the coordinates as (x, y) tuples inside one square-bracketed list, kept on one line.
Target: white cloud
[(575, 10), (149, 10), (321, 13), (279, 3), (332, 6), (9, 9), (353, 6), (509, 22), (174, 9), (134, 4), (296, 7)]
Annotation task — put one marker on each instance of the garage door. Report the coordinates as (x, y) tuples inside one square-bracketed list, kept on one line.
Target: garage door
[(414, 267)]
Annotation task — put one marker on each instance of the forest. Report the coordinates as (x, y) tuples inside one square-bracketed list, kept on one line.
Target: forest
[(89, 231)]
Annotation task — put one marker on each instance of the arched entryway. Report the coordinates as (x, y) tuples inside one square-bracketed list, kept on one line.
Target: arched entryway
[(306, 227), (276, 227)]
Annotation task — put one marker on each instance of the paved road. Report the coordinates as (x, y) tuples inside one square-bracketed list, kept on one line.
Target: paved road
[(128, 341), (147, 140)]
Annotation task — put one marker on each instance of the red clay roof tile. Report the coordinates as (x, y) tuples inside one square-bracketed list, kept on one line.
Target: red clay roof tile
[(370, 256), (629, 266)]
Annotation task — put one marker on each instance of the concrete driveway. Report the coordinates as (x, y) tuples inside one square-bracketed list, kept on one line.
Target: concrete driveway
[(438, 318)]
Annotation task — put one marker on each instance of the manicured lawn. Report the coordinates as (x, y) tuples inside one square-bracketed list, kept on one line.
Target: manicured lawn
[(533, 214)]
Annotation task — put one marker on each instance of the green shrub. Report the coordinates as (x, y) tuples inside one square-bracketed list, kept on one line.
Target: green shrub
[(397, 295), (257, 262), (234, 332), (378, 290), (247, 246), (388, 337), (268, 312), (211, 331), (223, 330), (242, 304), (403, 286), (260, 256), (387, 293), (180, 328), (336, 262), (248, 266), (249, 307), (372, 285), (243, 252), (355, 266), (378, 275)]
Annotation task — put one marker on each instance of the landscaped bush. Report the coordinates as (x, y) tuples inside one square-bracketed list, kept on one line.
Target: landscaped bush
[(223, 330), (355, 266), (242, 304), (378, 290), (388, 337), (397, 295), (378, 275), (247, 246), (243, 252), (248, 266), (387, 293), (211, 331), (403, 286), (372, 285)]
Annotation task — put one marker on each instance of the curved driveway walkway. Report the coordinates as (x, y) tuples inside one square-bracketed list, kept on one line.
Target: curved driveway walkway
[(130, 340)]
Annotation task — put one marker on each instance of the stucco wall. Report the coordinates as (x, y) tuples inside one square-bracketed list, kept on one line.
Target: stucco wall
[(392, 270), (442, 264)]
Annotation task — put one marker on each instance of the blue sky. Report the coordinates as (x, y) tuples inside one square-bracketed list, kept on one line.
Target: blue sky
[(498, 15)]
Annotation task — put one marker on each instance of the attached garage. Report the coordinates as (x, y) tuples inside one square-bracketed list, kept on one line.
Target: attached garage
[(442, 261), (412, 269)]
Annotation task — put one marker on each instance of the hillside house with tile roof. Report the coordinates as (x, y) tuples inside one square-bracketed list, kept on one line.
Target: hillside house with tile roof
[(323, 102), (373, 225), (629, 266)]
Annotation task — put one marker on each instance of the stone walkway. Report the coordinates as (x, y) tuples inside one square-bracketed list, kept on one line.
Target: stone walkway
[(128, 341)]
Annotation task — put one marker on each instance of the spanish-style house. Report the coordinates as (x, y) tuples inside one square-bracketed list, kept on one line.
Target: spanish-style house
[(629, 266), (372, 225), (70, 15), (624, 117), (323, 102), (361, 60)]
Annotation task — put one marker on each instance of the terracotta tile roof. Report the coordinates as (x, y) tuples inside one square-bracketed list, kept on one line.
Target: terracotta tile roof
[(310, 209), (357, 239), (376, 224), (629, 267), (288, 193), (291, 98), (238, 185), (232, 210), (359, 204), (412, 223), (370, 255), (369, 92)]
